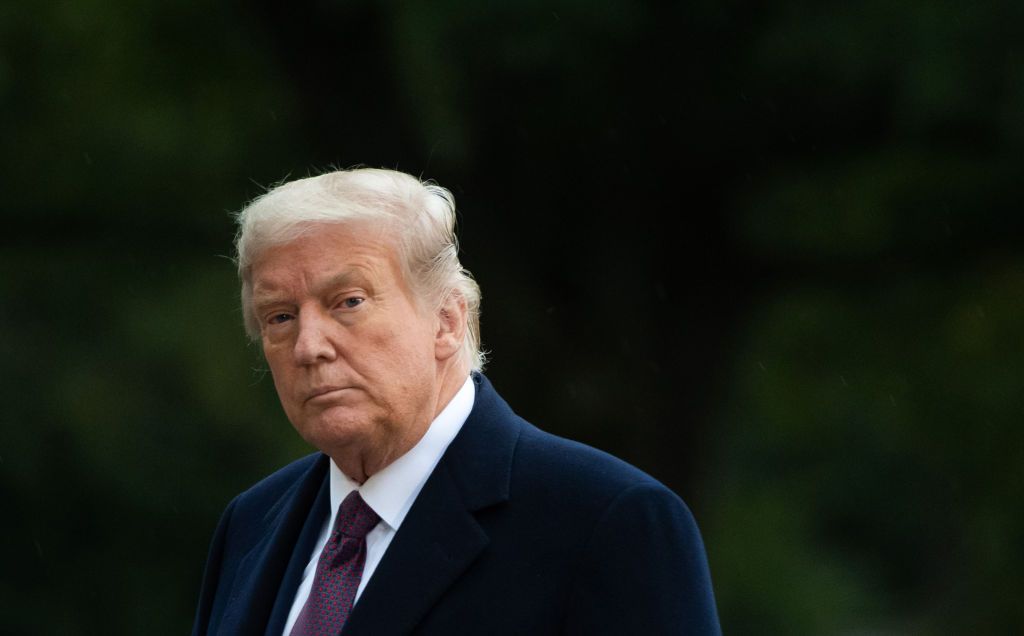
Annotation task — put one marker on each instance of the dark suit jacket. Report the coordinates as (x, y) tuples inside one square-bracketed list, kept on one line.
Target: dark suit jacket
[(515, 532)]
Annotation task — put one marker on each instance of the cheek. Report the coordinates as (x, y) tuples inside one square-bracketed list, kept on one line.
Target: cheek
[(415, 348), (398, 360)]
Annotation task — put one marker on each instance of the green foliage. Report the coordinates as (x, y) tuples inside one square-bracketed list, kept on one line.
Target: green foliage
[(869, 456)]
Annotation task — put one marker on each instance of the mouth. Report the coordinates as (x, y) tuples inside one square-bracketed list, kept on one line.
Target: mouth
[(324, 392)]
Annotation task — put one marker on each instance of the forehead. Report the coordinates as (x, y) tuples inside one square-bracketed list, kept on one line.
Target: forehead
[(326, 251)]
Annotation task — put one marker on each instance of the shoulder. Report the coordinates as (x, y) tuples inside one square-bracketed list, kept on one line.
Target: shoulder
[(626, 527), (262, 499), (545, 466), (610, 525), (564, 464), (599, 491)]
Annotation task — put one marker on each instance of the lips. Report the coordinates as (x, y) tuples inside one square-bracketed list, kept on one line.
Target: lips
[(323, 390)]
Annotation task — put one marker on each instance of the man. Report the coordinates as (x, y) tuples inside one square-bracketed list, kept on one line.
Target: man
[(431, 507)]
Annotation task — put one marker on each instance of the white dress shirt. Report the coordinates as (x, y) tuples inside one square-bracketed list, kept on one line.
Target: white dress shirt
[(390, 493)]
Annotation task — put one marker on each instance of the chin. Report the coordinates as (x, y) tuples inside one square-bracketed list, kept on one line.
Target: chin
[(333, 430)]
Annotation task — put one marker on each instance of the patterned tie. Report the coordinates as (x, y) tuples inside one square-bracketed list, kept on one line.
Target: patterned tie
[(338, 571)]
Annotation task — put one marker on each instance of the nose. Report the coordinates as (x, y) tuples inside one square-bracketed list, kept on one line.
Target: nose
[(313, 343)]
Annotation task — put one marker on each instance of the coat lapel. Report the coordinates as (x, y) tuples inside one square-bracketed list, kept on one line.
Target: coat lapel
[(261, 571), (440, 538), (315, 521)]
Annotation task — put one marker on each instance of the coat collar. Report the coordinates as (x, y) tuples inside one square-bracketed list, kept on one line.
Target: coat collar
[(440, 537)]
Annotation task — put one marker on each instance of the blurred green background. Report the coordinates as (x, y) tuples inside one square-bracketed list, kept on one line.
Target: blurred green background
[(770, 254)]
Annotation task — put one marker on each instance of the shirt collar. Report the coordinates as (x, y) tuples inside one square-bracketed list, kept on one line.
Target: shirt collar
[(392, 491)]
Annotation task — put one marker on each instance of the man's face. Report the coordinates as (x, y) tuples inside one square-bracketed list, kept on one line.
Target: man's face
[(351, 352)]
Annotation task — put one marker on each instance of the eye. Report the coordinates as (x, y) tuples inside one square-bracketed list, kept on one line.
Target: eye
[(351, 302), (276, 319)]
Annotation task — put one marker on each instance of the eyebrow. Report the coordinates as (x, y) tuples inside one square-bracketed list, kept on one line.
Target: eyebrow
[(265, 294), (343, 278)]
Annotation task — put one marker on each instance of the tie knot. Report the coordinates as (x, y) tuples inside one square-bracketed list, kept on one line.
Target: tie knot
[(355, 517)]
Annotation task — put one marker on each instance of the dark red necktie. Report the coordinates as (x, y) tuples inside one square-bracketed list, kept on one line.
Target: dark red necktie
[(338, 571)]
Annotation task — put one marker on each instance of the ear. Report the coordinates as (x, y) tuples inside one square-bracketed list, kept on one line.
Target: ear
[(451, 326)]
